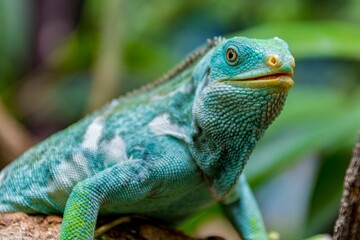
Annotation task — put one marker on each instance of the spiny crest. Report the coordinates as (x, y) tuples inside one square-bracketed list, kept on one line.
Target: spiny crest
[(186, 62)]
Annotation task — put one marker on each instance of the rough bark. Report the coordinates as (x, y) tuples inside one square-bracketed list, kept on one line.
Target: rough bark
[(348, 223), (23, 226)]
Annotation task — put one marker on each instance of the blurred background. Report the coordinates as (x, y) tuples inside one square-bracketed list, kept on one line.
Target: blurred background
[(60, 59)]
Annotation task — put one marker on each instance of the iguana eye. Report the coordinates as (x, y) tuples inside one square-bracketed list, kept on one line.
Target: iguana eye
[(231, 55)]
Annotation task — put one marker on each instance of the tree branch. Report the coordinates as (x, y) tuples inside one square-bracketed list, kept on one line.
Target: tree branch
[(348, 223), (22, 226), (14, 138)]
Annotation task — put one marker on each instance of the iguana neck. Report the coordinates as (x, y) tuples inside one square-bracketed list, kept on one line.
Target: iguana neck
[(228, 123)]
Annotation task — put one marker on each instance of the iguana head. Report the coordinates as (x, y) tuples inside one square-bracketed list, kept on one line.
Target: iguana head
[(243, 62), (242, 84)]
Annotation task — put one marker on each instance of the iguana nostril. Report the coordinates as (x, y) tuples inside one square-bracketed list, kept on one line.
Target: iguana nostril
[(273, 61)]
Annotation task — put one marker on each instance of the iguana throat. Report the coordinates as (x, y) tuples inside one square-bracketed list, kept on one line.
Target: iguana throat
[(228, 125)]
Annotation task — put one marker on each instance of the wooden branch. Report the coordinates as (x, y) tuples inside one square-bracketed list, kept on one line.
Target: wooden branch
[(23, 226), (348, 223), (14, 138)]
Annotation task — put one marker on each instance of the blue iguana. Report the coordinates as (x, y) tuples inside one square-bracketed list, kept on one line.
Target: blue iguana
[(165, 152)]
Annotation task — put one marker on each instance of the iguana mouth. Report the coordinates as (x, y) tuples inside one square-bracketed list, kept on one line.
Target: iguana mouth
[(268, 77), (268, 80)]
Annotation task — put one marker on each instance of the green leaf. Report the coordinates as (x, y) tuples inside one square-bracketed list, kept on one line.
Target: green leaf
[(305, 128), (320, 237), (327, 191)]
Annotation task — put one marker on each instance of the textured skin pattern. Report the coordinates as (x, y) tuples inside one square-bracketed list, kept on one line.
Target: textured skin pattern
[(166, 153)]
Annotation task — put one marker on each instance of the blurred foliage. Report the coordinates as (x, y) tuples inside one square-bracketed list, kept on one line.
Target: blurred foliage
[(14, 41), (299, 164)]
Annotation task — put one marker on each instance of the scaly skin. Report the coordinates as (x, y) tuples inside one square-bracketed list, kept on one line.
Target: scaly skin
[(166, 153)]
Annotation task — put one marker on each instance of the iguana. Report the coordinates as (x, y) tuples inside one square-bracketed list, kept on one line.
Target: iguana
[(165, 152)]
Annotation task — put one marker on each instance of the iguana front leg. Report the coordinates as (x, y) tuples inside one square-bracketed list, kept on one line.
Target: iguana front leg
[(122, 183), (242, 210)]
